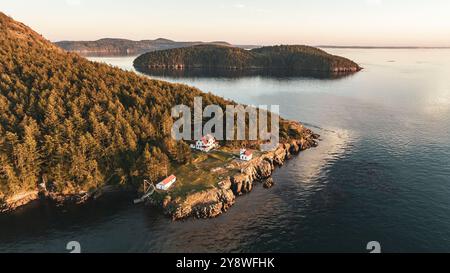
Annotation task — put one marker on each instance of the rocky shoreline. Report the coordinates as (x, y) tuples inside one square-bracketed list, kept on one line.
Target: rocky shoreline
[(205, 204), (213, 202), (18, 200), (181, 66), (59, 199)]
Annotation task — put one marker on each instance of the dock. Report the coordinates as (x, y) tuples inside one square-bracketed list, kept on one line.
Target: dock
[(149, 189)]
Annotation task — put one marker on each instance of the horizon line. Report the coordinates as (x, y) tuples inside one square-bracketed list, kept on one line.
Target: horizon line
[(261, 45)]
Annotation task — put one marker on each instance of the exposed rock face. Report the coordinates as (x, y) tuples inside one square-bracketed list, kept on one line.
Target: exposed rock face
[(262, 168), (84, 197), (213, 202), (18, 200), (342, 69), (65, 199), (206, 204), (268, 183)]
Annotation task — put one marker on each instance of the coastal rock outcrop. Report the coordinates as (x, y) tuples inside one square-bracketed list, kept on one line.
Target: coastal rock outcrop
[(268, 183), (213, 202), (206, 204), (18, 200)]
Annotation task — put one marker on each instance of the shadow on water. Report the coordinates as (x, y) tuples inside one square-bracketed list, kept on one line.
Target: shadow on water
[(43, 217), (239, 73)]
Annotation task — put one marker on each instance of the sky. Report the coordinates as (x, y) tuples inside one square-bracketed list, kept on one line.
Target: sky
[(260, 22)]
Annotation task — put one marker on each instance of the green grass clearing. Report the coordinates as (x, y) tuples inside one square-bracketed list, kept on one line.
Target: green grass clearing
[(205, 171)]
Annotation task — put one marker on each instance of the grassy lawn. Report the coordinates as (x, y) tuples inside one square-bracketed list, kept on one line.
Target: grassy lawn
[(205, 171)]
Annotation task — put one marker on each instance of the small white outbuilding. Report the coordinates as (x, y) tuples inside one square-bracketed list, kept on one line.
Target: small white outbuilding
[(167, 183)]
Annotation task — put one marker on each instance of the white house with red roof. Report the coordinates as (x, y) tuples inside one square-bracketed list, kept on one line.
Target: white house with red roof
[(246, 155), (206, 144), (167, 183)]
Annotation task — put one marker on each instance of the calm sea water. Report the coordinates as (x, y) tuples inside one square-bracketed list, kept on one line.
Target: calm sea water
[(381, 172)]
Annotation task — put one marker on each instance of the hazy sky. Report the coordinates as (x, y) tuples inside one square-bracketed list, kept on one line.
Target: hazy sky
[(318, 22)]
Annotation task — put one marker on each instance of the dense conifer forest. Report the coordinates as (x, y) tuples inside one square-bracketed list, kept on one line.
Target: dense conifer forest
[(288, 57), (78, 125)]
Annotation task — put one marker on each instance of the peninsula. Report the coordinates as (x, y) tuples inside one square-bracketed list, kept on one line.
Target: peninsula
[(72, 130)]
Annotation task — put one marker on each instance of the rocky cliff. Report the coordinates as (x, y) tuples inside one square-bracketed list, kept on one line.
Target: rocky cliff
[(18, 200), (213, 202)]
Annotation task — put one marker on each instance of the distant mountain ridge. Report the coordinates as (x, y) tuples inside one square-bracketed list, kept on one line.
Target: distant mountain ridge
[(125, 47), (382, 47)]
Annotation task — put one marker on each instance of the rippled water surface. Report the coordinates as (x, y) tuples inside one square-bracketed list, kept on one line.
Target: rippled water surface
[(381, 172)]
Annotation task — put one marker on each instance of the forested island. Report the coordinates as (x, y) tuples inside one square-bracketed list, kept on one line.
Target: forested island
[(125, 47), (293, 58), (70, 128)]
